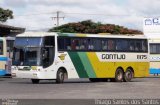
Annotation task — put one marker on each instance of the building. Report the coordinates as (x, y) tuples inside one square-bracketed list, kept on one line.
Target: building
[(10, 31)]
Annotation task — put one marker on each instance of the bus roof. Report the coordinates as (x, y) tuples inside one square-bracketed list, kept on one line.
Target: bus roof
[(43, 34), (36, 34)]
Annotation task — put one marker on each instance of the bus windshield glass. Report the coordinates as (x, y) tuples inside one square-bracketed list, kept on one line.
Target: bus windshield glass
[(28, 56), (27, 51)]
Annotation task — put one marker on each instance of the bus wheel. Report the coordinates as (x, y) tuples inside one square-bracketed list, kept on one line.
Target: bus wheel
[(119, 75), (128, 75), (60, 76), (35, 81)]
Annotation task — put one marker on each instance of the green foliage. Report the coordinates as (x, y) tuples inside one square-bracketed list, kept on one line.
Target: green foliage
[(5, 15), (90, 27)]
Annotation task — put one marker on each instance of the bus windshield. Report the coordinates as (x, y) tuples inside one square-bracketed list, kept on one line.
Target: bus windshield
[(28, 56), (27, 51), (34, 51)]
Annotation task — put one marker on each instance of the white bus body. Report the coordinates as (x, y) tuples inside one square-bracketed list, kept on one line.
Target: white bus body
[(37, 56)]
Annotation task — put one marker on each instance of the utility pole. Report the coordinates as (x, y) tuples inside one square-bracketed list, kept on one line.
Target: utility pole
[(57, 17)]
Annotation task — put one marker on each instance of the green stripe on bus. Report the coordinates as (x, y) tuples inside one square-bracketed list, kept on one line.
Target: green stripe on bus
[(78, 65), (87, 65)]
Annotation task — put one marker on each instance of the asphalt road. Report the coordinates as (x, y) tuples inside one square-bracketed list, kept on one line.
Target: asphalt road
[(140, 88)]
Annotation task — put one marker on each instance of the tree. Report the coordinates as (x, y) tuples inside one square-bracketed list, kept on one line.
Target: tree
[(5, 14), (88, 26)]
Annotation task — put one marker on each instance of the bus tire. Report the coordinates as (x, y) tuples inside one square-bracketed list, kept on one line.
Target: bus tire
[(35, 81), (119, 75), (60, 76), (128, 75)]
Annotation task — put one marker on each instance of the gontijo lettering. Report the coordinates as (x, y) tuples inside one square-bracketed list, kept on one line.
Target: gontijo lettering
[(113, 56)]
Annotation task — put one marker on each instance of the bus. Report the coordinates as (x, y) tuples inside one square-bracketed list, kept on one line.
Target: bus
[(60, 56), (3, 56), (154, 44)]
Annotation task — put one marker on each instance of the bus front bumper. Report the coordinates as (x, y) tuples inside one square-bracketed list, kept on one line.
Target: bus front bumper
[(29, 72), (24, 74)]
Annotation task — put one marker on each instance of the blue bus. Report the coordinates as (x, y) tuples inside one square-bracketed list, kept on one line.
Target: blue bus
[(3, 56)]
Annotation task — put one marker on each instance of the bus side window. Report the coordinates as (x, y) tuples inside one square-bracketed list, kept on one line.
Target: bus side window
[(104, 44), (67, 44), (144, 45), (1, 48), (158, 48), (83, 44), (97, 44), (90, 44), (131, 46), (122, 45), (111, 44), (119, 45), (138, 46), (75, 44), (61, 45), (153, 48)]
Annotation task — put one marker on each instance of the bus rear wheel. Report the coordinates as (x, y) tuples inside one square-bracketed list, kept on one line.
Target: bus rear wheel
[(128, 75), (119, 75), (35, 81), (60, 76)]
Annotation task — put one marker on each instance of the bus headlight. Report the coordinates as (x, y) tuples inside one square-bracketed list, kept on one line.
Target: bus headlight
[(14, 68)]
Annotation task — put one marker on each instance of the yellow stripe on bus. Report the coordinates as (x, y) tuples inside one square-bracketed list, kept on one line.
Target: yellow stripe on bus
[(108, 69), (100, 68), (81, 35)]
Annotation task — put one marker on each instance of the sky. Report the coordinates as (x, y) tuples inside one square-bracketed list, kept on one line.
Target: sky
[(37, 14)]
